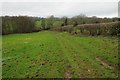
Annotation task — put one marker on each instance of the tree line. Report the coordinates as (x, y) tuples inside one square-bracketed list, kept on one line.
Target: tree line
[(15, 24), (26, 24)]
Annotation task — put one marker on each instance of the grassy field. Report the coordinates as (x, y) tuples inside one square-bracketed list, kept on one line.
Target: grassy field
[(60, 55)]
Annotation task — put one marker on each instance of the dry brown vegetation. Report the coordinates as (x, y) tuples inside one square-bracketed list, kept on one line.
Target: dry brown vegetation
[(111, 28)]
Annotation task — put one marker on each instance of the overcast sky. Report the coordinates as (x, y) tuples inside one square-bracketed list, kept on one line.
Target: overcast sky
[(108, 8)]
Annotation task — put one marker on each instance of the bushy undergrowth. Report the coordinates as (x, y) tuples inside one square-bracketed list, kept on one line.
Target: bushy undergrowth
[(105, 29)]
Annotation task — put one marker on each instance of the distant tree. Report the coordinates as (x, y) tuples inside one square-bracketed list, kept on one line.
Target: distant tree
[(50, 21), (75, 23), (25, 24), (43, 23), (66, 21), (81, 19)]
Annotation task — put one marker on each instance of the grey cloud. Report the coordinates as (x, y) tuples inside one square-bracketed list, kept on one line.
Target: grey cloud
[(44, 9)]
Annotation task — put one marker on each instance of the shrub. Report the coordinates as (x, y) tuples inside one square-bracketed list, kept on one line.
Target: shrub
[(100, 29)]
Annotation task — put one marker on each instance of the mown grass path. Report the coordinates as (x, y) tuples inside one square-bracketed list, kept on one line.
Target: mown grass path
[(59, 54)]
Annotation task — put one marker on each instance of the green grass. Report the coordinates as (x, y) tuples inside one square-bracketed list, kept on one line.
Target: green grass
[(53, 54)]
